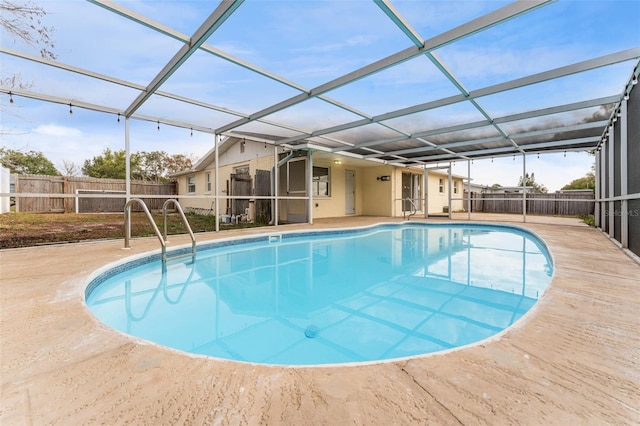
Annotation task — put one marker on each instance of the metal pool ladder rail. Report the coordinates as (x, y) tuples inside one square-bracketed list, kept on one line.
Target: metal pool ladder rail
[(161, 238), (413, 211)]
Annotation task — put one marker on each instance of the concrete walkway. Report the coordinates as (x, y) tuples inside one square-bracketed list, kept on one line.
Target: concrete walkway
[(575, 360)]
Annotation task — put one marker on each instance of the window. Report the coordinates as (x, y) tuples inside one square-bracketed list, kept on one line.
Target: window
[(191, 184), (243, 170), (321, 181), (441, 186), (455, 186), (208, 182)]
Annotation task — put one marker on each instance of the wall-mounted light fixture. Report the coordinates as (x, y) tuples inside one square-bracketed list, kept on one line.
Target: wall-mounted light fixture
[(384, 178), (338, 162)]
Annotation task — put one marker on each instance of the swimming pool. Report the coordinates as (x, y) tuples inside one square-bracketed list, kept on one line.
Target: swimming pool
[(327, 297)]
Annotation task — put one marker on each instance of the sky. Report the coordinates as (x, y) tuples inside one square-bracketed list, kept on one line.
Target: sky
[(308, 43)]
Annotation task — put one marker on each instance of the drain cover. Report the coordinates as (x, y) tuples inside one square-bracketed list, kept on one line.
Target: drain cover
[(311, 331)]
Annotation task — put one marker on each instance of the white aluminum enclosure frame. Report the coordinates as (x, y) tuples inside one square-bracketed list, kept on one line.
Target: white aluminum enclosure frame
[(382, 150)]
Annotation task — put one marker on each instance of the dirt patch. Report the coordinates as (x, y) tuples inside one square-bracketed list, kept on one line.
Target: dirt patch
[(25, 230)]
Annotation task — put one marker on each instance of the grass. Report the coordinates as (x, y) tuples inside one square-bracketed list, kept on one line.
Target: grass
[(589, 219)]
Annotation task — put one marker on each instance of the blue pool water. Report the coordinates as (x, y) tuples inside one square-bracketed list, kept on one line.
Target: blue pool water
[(366, 294)]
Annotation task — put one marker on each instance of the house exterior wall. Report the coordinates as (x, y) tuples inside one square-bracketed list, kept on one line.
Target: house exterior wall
[(200, 203), (334, 204), (377, 195), (439, 200), (255, 155), (373, 196)]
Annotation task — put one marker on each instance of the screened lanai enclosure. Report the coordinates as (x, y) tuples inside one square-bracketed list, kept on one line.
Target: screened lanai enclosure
[(403, 84)]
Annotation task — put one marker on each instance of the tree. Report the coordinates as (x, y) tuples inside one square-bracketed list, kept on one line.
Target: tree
[(158, 165), (111, 165), (178, 162), (588, 181), (530, 182), (30, 162), (152, 165), (23, 20)]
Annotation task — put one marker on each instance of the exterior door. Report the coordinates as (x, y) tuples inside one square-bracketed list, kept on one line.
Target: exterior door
[(349, 192), (406, 191), (297, 187), (410, 191)]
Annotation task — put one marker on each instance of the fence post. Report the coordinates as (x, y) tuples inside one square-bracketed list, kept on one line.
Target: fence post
[(5, 186)]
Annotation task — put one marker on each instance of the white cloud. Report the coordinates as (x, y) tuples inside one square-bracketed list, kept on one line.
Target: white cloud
[(57, 131)]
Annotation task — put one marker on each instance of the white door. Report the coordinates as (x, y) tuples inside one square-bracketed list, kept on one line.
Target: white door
[(349, 192)]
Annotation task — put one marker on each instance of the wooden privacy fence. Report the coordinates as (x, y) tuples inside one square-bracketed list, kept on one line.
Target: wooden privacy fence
[(560, 203), (241, 185), (66, 186)]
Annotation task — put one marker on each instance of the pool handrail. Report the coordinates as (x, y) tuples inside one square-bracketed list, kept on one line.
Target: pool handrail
[(127, 225), (413, 212), (161, 238), (184, 220)]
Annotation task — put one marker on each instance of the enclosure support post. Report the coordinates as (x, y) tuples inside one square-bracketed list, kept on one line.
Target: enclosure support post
[(603, 184), (217, 171), (596, 207), (624, 184), (449, 184), (426, 192), (127, 181), (610, 179), (276, 184), (468, 189), (127, 159), (310, 187), (524, 187)]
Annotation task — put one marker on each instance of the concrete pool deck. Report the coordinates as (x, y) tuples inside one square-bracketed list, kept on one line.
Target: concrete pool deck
[(575, 359)]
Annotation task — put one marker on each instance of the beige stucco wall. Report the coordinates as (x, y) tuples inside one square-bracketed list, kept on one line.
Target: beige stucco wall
[(438, 200), (255, 155), (332, 206), (201, 202), (376, 194), (373, 197)]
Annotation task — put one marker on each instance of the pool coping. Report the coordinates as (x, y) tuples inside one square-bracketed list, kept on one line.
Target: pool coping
[(573, 361)]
